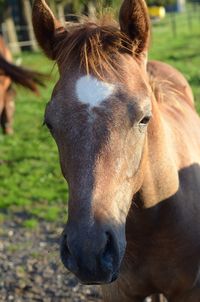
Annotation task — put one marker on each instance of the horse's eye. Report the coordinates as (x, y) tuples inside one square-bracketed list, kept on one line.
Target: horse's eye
[(145, 120)]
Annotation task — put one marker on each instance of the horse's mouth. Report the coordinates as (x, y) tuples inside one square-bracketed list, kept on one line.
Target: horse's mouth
[(113, 278), (100, 283)]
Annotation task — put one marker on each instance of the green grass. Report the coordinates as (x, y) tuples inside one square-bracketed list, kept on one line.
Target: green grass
[(182, 50), (30, 223), (30, 175)]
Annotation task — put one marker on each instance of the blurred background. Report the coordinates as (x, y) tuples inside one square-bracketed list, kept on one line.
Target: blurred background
[(33, 194)]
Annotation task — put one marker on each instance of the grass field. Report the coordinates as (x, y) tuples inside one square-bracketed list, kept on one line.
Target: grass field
[(182, 50), (30, 177)]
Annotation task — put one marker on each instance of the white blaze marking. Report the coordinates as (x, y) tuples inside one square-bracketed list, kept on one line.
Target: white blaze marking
[(90, 90)]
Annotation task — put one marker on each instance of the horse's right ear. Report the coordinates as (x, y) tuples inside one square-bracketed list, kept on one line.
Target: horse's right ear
[(135, 23), (46, 27)]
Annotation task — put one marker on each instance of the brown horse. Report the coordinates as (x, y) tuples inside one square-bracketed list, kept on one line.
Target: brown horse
[(129, 143), (8, 73)]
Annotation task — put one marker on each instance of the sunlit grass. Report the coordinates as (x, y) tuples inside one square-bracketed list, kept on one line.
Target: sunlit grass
[(180, 50), (29, 168)]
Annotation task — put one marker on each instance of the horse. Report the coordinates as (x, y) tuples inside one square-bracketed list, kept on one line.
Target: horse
[(11, 73), (128, 138)]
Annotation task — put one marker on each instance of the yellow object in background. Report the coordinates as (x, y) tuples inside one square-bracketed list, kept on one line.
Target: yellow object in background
[(157, 12)]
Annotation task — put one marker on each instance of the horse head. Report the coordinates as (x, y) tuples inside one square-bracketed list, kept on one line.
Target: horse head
[(98, 115)]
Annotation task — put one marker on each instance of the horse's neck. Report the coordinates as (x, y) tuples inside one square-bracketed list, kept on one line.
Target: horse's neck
[(160, 172)]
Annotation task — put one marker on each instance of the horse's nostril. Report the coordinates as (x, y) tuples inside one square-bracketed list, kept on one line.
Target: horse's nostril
[(66, 256), (64, 251), (107, 258)]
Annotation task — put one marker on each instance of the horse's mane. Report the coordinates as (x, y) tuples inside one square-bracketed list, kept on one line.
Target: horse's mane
[(95, 47), (165, 92)]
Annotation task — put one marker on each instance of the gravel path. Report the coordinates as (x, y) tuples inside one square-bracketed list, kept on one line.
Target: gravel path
[(30, 268)]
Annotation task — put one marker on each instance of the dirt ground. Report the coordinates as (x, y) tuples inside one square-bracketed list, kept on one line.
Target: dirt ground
[(30, 267)]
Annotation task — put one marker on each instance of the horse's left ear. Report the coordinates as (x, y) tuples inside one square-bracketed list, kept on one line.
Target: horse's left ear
[(135, 23), (46, 27)]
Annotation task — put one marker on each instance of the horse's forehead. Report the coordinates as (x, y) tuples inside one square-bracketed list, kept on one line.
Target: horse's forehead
[(92, 91), (92, 95)]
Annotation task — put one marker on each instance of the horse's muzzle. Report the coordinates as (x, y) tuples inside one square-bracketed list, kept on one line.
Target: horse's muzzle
[(93, 259)]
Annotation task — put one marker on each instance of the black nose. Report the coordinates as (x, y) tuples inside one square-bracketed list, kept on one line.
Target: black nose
[(94, 259)]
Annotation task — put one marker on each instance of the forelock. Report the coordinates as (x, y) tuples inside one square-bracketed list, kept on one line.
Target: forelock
[(93, 48)]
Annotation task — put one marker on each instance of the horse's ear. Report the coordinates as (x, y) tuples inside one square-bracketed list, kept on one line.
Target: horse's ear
[(46, 27), (135, 23)]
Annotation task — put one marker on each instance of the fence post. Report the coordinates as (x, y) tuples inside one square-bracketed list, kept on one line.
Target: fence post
[(28, 18), (173, 23), (11, 32), (61, 13), (189, 19)]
